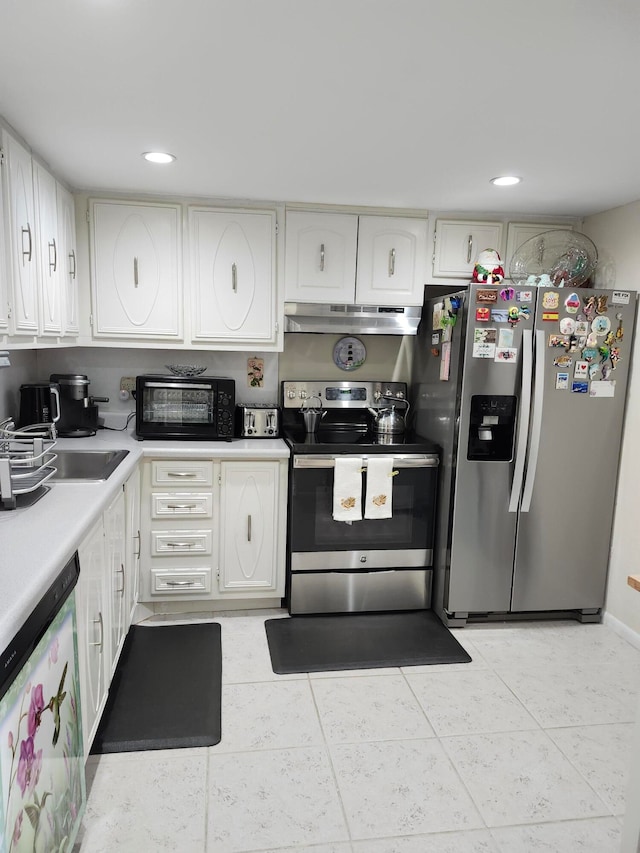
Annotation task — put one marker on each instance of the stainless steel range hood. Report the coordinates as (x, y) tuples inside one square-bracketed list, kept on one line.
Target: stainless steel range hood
[(351, 319)]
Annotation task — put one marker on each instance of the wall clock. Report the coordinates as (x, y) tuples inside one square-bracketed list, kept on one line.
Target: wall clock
[(349, 353)]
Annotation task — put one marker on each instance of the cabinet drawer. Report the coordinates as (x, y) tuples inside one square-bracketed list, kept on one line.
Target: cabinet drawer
[(181, 504), (165, 542), (180, 581), (180, 473)]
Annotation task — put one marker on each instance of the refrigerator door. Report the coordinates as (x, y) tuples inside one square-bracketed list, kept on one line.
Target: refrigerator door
[(483, 529), (566, 514)]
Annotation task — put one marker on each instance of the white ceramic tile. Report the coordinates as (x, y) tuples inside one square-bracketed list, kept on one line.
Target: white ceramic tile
[(401, 788), (600, 835), (602, 755), (268, 715), (245, 652), (376, 707), (476, 662), (560, 696), (521, 777), (469, 702), (275, 798), (355, 673), (315, 848), (154, 804), (475, 841)]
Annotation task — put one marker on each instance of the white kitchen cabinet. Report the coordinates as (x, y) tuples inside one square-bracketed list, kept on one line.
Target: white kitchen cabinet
[(320, 256), (132, 557), (458, 244), (519, 232), (392, 255), (50, 291), (93, 631), (4, 293), (21, 238), (346, 258), (250, 557), (233, 277), (115, 560), (68, 261), (136, 270)]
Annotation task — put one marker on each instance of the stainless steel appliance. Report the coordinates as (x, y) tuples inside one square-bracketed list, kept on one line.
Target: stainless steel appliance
[(524, 389), (78, 410), (257, 421), (185, 407), (42, 783), (351, 319), (39, 403), (369, 564)]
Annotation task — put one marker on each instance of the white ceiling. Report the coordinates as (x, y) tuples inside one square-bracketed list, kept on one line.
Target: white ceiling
[(396, 103)]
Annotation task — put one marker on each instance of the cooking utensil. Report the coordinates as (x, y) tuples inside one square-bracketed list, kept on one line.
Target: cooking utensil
[(312, 415), (387, 420)]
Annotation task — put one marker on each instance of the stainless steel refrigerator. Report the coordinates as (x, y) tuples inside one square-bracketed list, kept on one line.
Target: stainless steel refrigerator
[(524, 389)]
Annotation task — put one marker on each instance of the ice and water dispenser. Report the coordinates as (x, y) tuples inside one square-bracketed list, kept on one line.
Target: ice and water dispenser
[(492, 424)]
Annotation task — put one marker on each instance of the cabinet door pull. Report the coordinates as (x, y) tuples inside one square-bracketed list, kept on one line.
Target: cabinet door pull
[(135, 272), (469, 247), (53, 265), (72, 271), (392, 262), (321, 257), (248, 528), (181, 506), (181, 473), (180, 583), (180, 544), (120, 571), (234, 278), (98, 621), (27, 231)]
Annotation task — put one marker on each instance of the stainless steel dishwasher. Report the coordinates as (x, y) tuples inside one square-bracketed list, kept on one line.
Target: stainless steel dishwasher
[(42, 783)]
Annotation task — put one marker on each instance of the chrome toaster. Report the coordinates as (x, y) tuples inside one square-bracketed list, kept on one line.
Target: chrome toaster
[(258, 421)]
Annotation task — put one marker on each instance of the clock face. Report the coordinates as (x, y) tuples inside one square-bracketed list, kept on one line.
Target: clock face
[(349, 353)]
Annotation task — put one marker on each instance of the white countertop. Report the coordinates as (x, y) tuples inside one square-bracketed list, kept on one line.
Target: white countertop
[(37, 541)]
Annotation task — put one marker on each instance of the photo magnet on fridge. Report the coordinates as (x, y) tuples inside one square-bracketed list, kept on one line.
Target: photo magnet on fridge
[(580, 387), (562, 381)]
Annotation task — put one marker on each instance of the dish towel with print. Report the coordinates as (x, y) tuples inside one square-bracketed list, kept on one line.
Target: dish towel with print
[(347, 489), (378, 499)]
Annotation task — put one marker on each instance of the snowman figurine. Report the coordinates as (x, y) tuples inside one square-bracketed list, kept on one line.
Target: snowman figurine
[(488, 268)]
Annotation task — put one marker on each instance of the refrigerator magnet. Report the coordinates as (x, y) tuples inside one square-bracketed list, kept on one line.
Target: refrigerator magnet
[(582, 328), (603, 388), (550, 300), (572, 303), (590, 354), (505, 338), (567, 326), (507, 294), (524, 311), (445, 362), (483, 315), (436, 322), (580, 387), (435, 339), (581, 370), (559, 341), (562, 381), (601, 326), (620, 297), (486, 295), (524, 296), (549, 315), (562, 361), (601, 304), (499, 315), (506, 355)]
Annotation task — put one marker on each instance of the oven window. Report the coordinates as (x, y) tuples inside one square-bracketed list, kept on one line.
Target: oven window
[(172, 405), (312, 526)]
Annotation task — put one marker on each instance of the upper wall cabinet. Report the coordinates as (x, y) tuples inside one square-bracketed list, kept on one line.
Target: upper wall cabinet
[(233, 277), (458, 243), (21, 238), (4, 296), (136, 270), (334, 258), (519, 232), (49, 252), (67, 260)]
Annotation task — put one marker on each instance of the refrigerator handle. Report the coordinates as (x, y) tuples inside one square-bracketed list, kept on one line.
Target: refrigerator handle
[(523, 418), (536, 425)]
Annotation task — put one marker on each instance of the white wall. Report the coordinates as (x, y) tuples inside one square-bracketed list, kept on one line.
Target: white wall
[(616, 234), (23, 369)]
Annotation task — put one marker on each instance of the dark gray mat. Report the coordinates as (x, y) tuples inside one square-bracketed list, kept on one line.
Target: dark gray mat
[(166, 691), (360, 641)]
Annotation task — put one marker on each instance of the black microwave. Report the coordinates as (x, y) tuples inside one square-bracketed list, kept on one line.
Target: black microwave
[(185, 407)]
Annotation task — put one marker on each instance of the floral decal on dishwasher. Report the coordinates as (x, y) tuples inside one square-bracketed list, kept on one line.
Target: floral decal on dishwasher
[(41, 747)]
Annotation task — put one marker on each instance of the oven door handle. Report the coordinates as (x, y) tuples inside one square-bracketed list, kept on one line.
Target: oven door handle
[(399, 461)]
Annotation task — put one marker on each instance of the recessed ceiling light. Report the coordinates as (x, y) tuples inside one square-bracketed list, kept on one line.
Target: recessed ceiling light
[(506, 180), (158, 157)]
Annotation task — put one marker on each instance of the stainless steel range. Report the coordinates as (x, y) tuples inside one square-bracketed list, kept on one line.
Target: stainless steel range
[(382, 560)]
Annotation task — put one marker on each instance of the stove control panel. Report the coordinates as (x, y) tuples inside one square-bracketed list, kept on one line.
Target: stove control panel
[(341, 395)]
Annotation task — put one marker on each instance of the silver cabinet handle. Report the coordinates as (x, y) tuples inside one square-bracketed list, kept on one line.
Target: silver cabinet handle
[(137, 536), (469, 247), (181, 473), (120, 571), (53, 265), (248, 528), (180, 583), (392, 262), (135, 272), (321, 257), (181, 506), (234, 278), (180, 544), (72, 257), (98, 621), (27, 231)]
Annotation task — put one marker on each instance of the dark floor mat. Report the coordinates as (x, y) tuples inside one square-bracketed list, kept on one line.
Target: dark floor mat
[(166, 691), (362, 641)]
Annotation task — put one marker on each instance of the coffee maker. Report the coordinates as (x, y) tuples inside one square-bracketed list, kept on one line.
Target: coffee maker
[(39, 403), (78, 410)]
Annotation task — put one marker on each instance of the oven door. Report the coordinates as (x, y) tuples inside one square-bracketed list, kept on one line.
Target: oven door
[(317, 542)]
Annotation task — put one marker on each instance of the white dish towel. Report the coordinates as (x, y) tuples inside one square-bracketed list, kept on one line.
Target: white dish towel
[(347, 489), (378, 501)]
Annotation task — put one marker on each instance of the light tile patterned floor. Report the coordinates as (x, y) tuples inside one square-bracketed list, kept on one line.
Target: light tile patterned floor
[(524, 749)]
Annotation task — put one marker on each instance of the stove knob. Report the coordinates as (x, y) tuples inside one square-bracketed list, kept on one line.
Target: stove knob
[(291, 393), (363, 559)]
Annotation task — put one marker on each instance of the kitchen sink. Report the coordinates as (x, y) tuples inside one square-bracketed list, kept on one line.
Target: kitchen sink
[(86, 465)]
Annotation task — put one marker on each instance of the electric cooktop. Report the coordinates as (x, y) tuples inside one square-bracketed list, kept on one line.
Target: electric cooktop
[(334, 441)]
